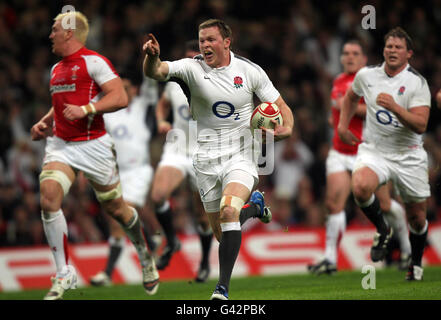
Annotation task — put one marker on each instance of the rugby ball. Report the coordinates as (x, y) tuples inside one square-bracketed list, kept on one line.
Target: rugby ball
[(263, 114)]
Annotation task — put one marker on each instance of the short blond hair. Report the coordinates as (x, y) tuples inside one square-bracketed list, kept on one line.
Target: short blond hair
[(81, 26)]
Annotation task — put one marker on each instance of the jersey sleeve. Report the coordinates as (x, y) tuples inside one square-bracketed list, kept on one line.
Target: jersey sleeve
[(178, 69), (421, 96), (99, 69), (264, 88), (357, 84)]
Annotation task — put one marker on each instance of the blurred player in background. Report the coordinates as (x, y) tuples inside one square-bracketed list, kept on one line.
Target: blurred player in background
[(398, 108), (340, 163), (131, 129), (438, 98), (220, 86), (176, 164), (83, 85)]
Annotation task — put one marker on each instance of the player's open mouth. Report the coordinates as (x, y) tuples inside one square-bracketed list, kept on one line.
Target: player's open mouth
[(208, 54)]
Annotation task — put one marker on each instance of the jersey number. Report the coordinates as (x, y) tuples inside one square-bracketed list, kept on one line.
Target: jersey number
[(224, 109)]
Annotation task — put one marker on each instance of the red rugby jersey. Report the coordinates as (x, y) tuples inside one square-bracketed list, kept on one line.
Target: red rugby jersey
[(341, 84), (76, 79)]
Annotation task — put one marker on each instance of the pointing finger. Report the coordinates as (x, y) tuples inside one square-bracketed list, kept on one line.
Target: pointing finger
[(152, 37)]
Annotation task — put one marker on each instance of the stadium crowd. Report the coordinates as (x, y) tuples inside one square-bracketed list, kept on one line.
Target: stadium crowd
[(298, 43)]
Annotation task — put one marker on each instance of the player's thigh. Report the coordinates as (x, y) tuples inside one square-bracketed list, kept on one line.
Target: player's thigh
[(338, 189), (412, 177), (166, 180), (51, 190)]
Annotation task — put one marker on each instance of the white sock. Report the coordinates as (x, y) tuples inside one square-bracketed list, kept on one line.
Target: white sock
[(426, 226), (55, 228), (335, 227), (165, 206), (134, 232), (396, 218), (117, 242), (203, 232)]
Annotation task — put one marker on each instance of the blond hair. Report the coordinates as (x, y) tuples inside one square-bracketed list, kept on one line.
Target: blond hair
[(80, 27)]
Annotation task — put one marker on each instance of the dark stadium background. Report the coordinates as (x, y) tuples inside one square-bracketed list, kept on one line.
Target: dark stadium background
[(296, 42)]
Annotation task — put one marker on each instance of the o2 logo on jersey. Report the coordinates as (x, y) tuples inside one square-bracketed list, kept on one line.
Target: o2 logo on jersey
[(184, 112), (120, 132), (384, 117), (224, 109)]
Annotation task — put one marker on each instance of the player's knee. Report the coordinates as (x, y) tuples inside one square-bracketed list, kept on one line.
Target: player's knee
[(417, 221), (332, 206), (50, 199), (361, 190), (158, 197), (230, 207), (228, 214)]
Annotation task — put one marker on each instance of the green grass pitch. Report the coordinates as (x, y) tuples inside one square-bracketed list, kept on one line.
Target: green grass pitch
[(345, 285)]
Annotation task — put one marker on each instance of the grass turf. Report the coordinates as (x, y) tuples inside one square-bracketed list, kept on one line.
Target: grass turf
[(345, 285)]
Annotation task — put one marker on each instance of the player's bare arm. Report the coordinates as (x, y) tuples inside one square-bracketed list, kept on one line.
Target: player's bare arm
[(284, 131), (348, 110), (415, 119), (162, 111), (43, 128), (359, 112), (153, 67), (114, 98)]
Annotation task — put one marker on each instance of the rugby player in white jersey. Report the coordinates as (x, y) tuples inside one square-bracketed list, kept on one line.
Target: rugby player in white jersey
[(339, 165), (84, 86), (398, 107), (176, 164), (221, 87), (131, 129)]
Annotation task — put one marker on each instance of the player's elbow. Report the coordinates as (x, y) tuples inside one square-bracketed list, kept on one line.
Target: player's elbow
[(420, 129), (123, 100)]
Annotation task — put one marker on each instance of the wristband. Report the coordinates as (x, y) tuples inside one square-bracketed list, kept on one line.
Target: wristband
[(89, 109)]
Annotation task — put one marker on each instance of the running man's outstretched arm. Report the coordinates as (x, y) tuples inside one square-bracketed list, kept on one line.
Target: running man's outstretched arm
[(152, 66)]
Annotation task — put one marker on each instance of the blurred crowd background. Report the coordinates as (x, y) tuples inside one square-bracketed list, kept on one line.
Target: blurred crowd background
[(297, 43)]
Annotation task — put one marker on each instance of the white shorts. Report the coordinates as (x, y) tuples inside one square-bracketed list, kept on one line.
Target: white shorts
[(338, 162), (213, 178), (182, 163), (135, 184), (95, 158), (407, 170)]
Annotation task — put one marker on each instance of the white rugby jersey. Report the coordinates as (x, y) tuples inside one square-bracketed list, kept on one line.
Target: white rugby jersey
[(149, 90), (130, 133), (181, 114), (221, 99), (408, 88)]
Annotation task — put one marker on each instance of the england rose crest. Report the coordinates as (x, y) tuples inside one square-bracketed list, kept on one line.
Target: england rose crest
[(238, 82)]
